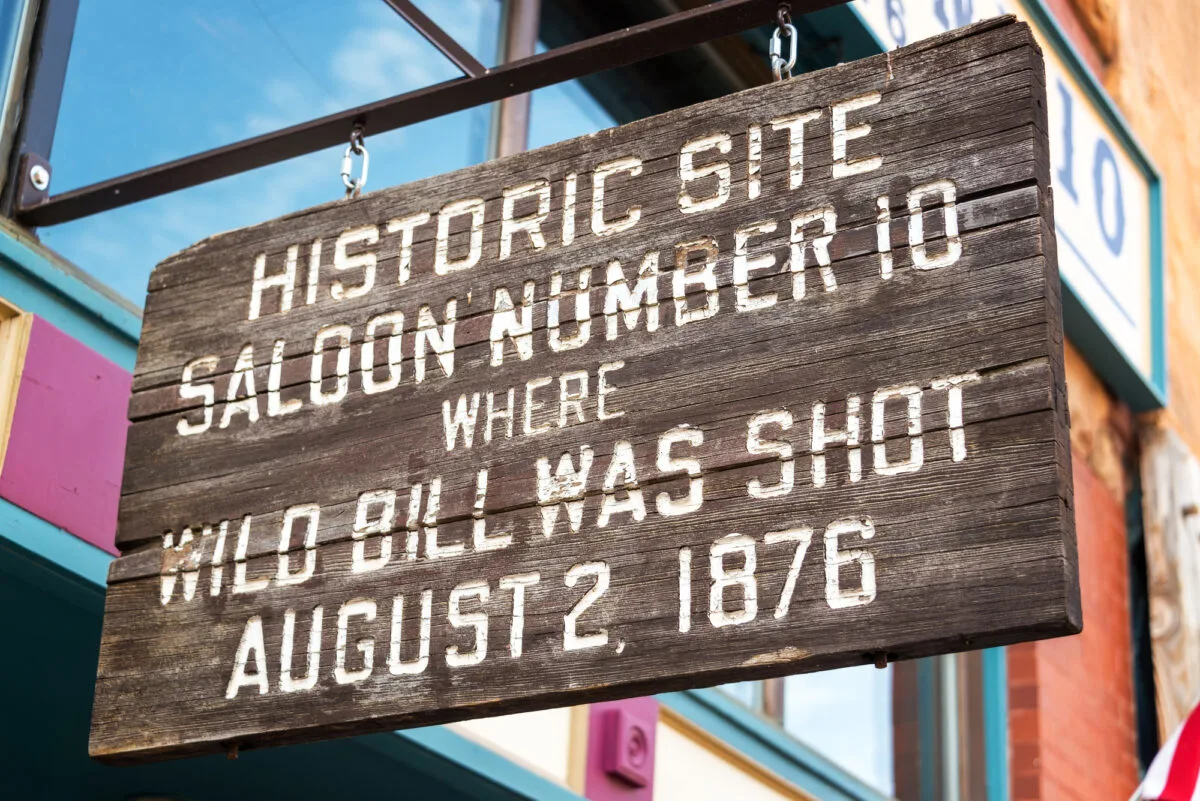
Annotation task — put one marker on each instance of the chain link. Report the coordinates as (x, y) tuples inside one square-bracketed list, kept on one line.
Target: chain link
[(356, 147), (780, 67)]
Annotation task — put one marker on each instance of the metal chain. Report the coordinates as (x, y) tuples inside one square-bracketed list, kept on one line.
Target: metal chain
[(355, 148), (783, 27)]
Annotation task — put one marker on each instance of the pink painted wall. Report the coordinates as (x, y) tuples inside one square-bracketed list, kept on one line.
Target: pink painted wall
[(614, 745), (67, 446)]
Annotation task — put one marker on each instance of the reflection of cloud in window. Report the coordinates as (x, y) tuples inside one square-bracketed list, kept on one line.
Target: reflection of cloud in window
[(232, 73), (380, 63), (846, 715)]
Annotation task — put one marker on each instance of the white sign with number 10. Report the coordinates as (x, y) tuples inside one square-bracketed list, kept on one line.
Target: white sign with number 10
[(1102, 199)]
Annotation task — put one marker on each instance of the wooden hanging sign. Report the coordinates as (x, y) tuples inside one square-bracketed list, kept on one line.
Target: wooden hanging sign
[(766, 385)]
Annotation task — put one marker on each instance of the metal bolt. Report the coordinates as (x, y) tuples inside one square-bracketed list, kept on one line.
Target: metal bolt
[(39, 176)]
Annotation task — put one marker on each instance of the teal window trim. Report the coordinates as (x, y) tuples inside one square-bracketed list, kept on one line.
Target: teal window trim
[(767, 744), (995, 723), (929, 755), (59, 562), (1141, 392), (39, 282), (53, 558)]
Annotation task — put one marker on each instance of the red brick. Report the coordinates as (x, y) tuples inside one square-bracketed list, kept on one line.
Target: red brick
[(1071, 711)]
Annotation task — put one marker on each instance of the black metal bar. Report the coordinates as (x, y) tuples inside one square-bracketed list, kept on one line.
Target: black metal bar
[(438, 38), (626, 46), (48, 55)]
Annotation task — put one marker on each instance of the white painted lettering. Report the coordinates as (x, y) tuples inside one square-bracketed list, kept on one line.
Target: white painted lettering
[(849, 436), (604, 389), (820, 248), (602, 172), (704, 277), (572, 639), (565, 487), (394, 322), (759, 445), (916, 225), (837, 596), (311, 513), (794, 124), (743, 265), (583, 312), (670, 465), (843, 167), (531, 224), (462, 421), (243, 374), (188, 391), (429, 338), (366, 524), (365, 260), (251, 648), (477, 621), (287, 683), (722, 143), (516, 631), (621, 475), (407, 227), (396, 665), (723, 578), (621, 301), (442, 263), (358, 607), (506, 325), (285, 281), (341, 334), (916, 446)]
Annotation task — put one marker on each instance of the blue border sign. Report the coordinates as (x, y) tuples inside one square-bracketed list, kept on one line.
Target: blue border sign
[(1107, 197)]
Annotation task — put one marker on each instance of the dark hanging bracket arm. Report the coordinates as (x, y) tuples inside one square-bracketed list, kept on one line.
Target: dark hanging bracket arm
[(617, 49)]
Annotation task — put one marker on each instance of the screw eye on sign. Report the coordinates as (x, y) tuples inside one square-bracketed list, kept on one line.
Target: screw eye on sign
[(765, 385)]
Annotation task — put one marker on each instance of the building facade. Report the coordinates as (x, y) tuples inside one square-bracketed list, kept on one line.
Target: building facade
[(98, 90)]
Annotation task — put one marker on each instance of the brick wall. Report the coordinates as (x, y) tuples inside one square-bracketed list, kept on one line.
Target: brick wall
[(1071, 713)]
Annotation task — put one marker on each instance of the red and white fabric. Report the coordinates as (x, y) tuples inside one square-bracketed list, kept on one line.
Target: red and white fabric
[(1174, 774)]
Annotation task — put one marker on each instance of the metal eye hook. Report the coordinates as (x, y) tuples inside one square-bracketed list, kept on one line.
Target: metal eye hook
[(783, 15), (356, 147)]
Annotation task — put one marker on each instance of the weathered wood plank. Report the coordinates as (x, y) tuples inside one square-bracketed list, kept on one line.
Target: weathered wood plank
[(880, 439)]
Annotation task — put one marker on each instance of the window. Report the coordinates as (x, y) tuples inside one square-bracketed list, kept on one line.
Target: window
[(148, 82), (847, 716), (916, 731), (16, 25), (564, 111)]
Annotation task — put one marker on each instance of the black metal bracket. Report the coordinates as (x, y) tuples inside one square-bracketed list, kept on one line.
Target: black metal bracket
[(33, 180), (438, 38), (50, 50), (622, 47)]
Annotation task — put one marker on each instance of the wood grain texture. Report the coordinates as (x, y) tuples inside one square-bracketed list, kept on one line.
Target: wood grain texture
[(1170, 505), (971, 546)]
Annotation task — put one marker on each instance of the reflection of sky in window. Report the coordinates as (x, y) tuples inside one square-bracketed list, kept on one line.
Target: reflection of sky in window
[(149, 82), (746, 692), (847, 716), (10, 27), (564, 111)]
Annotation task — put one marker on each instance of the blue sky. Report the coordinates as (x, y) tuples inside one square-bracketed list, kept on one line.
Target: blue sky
[(149, 81)]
